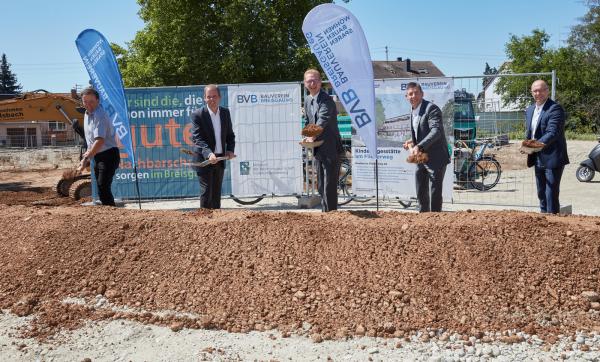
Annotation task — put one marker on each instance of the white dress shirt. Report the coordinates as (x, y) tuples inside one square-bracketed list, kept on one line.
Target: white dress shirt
[(415, 119), (216, 122), (535, 118)]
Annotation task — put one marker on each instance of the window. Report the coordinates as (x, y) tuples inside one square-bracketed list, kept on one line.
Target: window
[(57, 126)]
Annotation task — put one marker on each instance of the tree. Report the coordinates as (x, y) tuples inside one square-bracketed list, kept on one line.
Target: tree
[(226, 41), (585, 37), (488, 71), (576, 67), (8, 80), (527, 54), (577, 78)]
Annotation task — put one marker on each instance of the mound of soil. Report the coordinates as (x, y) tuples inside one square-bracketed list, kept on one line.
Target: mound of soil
[(421, 157), (328, 275), (532, 144), (312, 130)]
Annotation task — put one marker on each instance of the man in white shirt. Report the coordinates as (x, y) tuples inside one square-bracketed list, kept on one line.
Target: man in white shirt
[(101, 145), (212, 134)]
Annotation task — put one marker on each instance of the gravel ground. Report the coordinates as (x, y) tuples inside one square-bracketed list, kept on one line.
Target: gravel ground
[(130, 341)]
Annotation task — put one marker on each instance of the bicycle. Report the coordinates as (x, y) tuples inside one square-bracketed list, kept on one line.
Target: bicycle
[(345, 194), (474, 168), (345, 182), (248, 201)]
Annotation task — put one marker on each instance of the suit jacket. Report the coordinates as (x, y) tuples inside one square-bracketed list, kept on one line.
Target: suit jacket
[(431, 137), (324, 114), (550, 131), (203, 135)]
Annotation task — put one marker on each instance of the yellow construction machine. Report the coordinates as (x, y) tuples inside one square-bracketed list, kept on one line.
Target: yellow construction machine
[(19, 113)]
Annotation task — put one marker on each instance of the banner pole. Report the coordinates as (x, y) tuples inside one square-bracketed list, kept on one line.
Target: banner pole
[(377, 182), (137, 187)]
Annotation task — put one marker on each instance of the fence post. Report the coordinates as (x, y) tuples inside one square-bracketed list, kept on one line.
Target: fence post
[(553, 96)]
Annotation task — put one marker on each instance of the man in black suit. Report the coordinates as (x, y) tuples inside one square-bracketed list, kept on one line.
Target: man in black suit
[(546, 124), (320, 109), (212, 134), (428, 136)]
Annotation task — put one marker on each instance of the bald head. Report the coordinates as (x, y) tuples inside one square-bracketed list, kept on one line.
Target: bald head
[(540, 91)]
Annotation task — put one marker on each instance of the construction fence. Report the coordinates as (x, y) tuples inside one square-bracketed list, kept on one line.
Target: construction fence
[(267, 121)]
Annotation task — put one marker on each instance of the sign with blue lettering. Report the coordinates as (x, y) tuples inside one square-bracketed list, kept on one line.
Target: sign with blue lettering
[(265, 119), (160, 129), (337, 40), (102, 67)]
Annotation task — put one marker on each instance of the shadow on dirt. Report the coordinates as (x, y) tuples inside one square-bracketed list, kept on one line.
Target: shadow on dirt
[(22, 186)]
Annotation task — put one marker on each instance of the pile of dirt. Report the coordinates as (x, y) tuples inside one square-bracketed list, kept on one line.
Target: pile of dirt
[(327, 275), (421, 157), (312, 130)]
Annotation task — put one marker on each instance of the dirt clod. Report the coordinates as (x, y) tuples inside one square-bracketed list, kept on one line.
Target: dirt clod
[(421, 157), (312, 130)]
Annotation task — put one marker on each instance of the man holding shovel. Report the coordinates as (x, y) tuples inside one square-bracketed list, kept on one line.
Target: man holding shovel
[(214, 141), (102, 146)]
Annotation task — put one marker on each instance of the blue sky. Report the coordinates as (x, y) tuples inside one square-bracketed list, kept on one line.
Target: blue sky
[(459, 36)]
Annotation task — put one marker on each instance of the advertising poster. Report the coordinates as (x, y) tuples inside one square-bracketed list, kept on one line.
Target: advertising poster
[(267, 124), (266, 120), (396, 176)]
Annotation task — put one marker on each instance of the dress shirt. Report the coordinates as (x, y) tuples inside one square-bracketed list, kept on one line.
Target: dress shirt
[(216, 122), (535, 118), (414, 117)]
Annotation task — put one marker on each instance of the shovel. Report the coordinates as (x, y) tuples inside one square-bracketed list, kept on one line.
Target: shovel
[(199, 164)]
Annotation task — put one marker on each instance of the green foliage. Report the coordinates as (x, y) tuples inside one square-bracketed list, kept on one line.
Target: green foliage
[(517, 132), (576, 68), (226, 41), (488, 71), (571, 135), (527, 54), (8, 80)]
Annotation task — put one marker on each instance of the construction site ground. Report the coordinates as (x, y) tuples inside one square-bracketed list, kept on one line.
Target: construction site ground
[(266, 282)]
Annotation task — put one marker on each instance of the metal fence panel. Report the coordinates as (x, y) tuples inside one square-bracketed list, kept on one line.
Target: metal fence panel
[(499, 127)]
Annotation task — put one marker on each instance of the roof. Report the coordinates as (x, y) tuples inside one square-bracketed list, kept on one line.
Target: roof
[(504, 68), (383, 69)]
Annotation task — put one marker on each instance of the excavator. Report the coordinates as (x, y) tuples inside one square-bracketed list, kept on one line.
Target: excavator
[(41, 105)]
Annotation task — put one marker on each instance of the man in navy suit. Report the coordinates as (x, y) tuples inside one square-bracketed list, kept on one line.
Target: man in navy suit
[(427, 135), (546, 124), (212, 134)]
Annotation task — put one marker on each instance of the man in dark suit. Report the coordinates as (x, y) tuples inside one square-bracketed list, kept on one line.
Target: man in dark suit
[(545, 122), (428, 136), (212, 134), (320, 109)]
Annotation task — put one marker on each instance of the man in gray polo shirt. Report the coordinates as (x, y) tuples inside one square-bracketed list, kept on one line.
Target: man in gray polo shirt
[(102, 146)]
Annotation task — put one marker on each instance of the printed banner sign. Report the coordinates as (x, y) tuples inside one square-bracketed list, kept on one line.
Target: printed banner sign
[(266, 119), (337, 40), (396, 176), (267, 125), (103, 69)]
